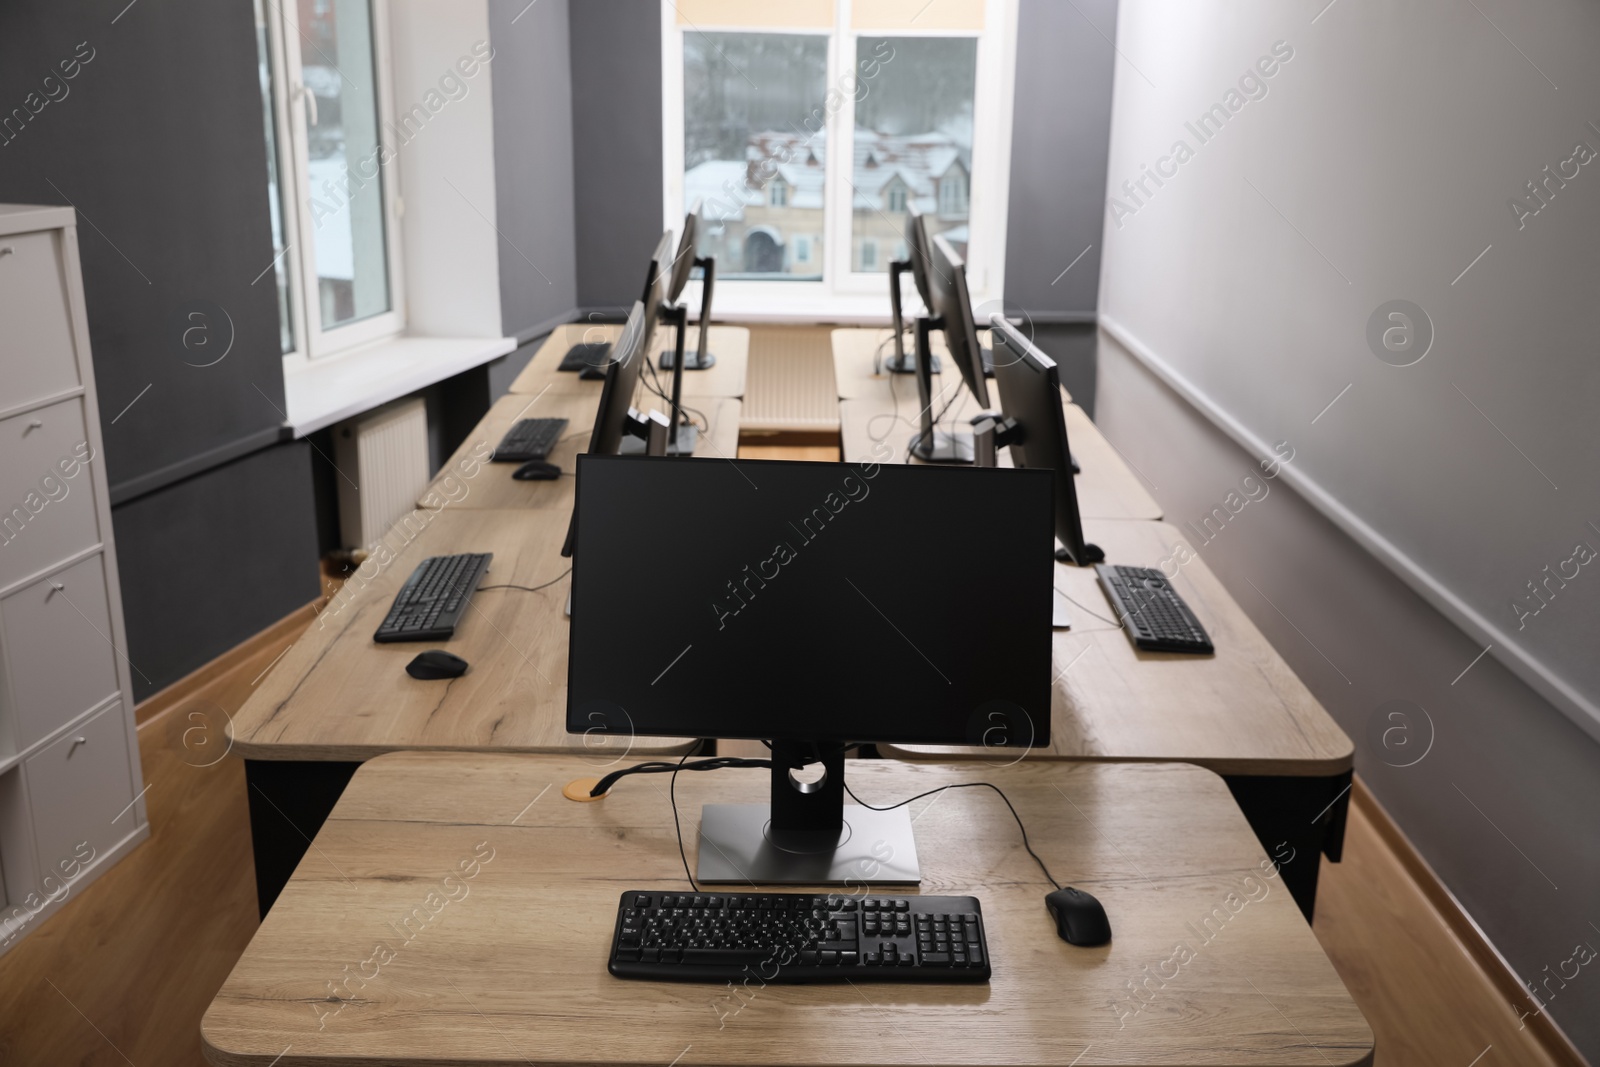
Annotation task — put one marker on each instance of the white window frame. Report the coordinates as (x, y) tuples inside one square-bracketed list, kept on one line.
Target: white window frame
[(843, 291), (305, 306)]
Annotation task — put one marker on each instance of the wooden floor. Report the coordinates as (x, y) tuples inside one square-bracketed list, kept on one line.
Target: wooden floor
[(122, 974)]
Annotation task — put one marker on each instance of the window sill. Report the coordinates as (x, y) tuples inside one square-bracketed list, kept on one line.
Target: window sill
[(321, 392)]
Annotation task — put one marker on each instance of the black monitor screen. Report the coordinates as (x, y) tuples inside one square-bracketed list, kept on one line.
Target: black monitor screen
[(683, 261), (811, 601)]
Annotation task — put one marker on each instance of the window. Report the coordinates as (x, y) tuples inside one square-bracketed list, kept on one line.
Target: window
[(332, 195), (831, 118)]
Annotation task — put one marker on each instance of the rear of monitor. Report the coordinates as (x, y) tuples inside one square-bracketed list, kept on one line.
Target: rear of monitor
[(885, 661), (682, 266), (915, 264)]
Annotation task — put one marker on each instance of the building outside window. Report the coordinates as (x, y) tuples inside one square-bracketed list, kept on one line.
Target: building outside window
[(808, 130)]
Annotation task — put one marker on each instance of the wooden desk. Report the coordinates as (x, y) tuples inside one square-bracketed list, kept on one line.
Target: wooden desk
[(366, 960), (1242, 712), (725, 378), (337, 698), (857, 350), (492, 487), (1107, 487)]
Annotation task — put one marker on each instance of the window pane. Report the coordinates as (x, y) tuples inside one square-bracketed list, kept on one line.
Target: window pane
[(755, 140), (346, 203), (280, 262), (913, 143)]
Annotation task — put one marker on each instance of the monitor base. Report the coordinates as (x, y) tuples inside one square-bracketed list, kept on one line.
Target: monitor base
[(907, 364), (1091, 554), (692, 360), (738, 845), (944, 448)]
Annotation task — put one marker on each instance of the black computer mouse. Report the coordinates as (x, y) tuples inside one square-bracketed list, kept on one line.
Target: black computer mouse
[(436, 663), (536, 470), (1080, 920)]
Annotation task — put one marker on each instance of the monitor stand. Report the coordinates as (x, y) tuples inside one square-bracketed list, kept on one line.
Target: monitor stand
[(807, 835), (902, 363), (929, 444), (700, 358)]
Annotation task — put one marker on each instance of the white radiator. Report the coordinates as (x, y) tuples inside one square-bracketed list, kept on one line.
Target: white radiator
[(382, 458)]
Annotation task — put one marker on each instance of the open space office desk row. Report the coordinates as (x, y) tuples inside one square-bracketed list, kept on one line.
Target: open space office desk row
[(371, 956)]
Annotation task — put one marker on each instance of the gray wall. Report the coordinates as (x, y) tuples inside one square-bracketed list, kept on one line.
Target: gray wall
[(1061, 128), (533, 164), (616, 143), (159, 144), (1506, 803)]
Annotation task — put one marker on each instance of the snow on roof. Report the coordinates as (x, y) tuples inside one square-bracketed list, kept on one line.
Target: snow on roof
[(800, 159)]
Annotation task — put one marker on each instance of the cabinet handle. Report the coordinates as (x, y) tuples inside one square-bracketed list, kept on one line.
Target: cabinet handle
[(6, 250), (76, 741), (55, 587), (33, 425)]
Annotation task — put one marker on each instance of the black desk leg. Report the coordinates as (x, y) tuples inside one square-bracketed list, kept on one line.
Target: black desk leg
[(289, 802), (1298, 821)]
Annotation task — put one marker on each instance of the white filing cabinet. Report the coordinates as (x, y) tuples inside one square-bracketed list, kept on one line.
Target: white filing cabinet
[(70, 787)]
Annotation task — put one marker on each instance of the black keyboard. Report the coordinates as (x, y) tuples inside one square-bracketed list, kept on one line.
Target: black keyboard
[(434, 598), (529, 439), (1156, 617), (590, 357), (798, 937)]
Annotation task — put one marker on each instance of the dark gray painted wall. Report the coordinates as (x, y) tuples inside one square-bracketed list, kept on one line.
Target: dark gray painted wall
[(533, 163), (214, 559), (616, 143), (1060, 137), (1500, 752), (159, 144)]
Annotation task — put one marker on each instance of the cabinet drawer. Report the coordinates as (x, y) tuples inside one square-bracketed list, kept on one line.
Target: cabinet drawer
[(56, 659), (76, 787), (45, 515), (37, 358)]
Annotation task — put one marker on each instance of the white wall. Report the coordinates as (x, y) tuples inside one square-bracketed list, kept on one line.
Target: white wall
[(447, 167), (1377, 166), (1235, 300)]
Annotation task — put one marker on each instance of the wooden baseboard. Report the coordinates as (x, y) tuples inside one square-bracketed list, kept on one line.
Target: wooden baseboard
[(1488, 959), (190, 684)]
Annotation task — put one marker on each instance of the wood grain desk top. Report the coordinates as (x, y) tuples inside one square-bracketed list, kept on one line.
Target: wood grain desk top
[(857, 350), (492, 485), (1107, 487), (337, 695), (455, 908), (1241, 711), (725, 378)]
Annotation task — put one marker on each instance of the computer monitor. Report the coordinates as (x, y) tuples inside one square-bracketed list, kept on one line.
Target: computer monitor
[(791, 625), (951, 311), (658, 282), (614, 421), (683, 265), (916, 263), (1035, 428)]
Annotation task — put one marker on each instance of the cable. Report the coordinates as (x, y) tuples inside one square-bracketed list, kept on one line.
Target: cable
[(966, 785), (1110, 622), (672, 796), (527, 588)]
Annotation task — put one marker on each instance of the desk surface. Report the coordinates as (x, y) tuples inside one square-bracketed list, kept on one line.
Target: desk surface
[(1241, 711), (492, 485), (1107, 487), (336, 695), (857, 350), (726, 377), (384, 949)]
